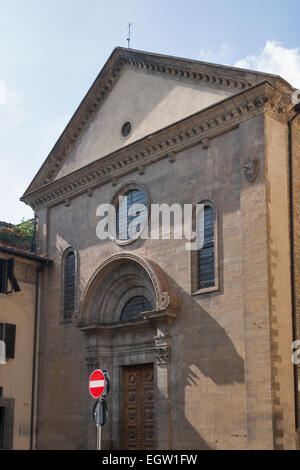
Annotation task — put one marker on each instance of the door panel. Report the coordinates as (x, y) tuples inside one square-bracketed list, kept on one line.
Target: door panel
[(138, 407)]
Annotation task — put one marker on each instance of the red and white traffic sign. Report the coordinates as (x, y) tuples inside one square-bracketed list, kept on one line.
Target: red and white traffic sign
[(97, 383)]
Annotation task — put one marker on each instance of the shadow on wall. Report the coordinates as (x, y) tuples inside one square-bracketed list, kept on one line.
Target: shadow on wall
[(201, 347), (215, 355)]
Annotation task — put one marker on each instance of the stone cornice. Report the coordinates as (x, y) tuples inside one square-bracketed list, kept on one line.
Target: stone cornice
[(139, 324), (201, 73), (198, 128)]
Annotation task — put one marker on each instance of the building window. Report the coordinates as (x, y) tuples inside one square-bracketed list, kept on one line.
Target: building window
[(126, 129), (134, 307), (130, 220), (69, 284), (8, 282), (8, 336), (205, 260), (206, 255)]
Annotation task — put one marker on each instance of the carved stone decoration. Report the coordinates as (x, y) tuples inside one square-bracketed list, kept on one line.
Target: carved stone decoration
[(251, 169), (164, 300), (162, 348), (162, 355), (92, 363)]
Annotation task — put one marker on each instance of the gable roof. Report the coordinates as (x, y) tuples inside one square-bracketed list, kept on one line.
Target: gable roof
[(219, 76)]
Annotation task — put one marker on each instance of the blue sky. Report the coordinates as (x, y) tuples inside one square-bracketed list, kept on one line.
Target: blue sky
[(51, 51)]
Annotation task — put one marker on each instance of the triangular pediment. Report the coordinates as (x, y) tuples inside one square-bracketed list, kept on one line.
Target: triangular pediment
[(151, 91), (148, 102)]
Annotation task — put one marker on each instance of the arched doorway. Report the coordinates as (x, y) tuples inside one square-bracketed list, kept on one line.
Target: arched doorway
[(126, 313)]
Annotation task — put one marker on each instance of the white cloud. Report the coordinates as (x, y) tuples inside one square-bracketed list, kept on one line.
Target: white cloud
[(205, 55), (275, 59), (223, 55)]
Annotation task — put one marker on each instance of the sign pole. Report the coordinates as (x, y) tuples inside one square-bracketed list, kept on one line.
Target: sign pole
[(99, 435), (98, 421)]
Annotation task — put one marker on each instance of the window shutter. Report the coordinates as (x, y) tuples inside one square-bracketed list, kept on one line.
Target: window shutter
[(206, 256), (69, 287), (11, 276), (7, 272), (3, 276), (10, 338)]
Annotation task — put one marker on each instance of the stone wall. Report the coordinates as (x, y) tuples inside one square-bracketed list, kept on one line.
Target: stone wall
[(222, 354), (296, 229)]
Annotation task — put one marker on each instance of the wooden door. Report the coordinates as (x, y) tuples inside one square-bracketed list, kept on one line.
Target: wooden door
[(138, 407)]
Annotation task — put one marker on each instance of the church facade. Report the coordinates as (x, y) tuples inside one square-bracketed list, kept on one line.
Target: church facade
[(198, 344)]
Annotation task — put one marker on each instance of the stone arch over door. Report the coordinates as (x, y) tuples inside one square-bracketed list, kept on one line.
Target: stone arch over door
[(113, 344), (105, 293)]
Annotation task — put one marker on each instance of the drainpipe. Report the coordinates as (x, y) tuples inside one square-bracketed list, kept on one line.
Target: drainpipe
[(292, 244), (36, 309)]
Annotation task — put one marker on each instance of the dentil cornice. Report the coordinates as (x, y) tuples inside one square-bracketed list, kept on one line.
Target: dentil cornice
[(166, 143)]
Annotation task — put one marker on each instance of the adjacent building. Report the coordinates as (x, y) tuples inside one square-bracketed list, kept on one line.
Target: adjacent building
[(19, 277)]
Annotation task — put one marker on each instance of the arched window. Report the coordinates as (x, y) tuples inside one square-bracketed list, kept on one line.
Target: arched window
[(69, 284), (134, 307), (123, 219), (206, 255)]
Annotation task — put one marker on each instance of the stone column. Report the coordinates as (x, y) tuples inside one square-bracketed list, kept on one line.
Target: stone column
[(162, 380)]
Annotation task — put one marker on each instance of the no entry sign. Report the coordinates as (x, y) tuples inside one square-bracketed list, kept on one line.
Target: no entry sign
[(97, 383)]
